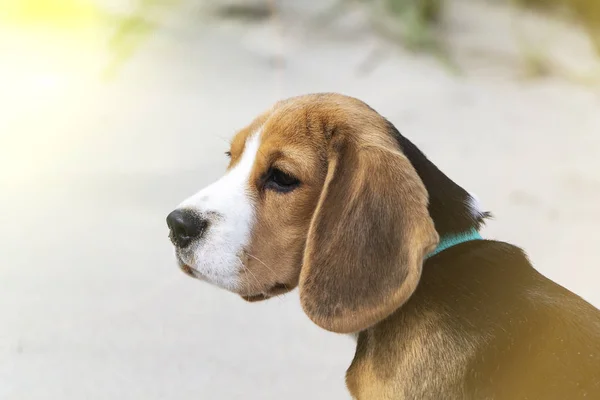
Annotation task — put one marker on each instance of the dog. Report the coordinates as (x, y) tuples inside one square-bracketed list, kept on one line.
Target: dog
[(324, 194)]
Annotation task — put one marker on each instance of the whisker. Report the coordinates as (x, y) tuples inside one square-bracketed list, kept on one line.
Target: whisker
[(266, 266), (269, 268), (251, 273), (255, 278), (223, 139), (279, 296)]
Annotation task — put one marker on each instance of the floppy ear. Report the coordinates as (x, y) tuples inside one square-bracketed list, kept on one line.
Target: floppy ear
[(368, 236)]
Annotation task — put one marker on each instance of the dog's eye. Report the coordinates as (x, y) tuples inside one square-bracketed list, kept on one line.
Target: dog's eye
[(228, 154), (281, 181)]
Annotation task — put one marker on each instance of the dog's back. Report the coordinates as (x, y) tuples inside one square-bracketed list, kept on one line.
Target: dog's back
[(484, 324), (544, 340)]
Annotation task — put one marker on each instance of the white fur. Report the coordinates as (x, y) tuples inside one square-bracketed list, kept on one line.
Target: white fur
[(229, 208), (474, 205)]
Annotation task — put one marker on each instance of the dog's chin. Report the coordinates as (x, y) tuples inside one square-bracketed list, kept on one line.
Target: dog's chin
[(256, 297), (275, 290)]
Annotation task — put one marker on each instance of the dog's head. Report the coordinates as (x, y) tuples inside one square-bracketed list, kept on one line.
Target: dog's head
[(318, 195)]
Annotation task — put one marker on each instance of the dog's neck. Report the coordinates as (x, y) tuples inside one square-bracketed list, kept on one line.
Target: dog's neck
[(454, 211)]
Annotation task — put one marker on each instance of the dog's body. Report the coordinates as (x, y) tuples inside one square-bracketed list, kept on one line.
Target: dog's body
[(324, 193)]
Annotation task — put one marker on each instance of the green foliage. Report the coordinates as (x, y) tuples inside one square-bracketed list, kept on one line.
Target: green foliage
[(428, 11), (414, 23), (585, 11), (418, 19), (134, 30)]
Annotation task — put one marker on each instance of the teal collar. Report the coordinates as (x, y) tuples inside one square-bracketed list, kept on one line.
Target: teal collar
[(448, 241)]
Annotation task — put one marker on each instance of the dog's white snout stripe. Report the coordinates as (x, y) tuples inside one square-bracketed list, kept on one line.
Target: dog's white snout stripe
[(228, 206), (228, 195)]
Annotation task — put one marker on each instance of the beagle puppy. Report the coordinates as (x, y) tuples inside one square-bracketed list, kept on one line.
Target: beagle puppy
[(325, 194)]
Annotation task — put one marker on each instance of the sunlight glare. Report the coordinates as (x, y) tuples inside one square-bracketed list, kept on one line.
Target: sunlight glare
[(51, 51)]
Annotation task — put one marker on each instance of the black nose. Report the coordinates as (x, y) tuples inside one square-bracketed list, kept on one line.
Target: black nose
[(185, 226)]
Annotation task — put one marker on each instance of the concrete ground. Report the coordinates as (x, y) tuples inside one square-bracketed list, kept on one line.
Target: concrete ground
[(91, 303)]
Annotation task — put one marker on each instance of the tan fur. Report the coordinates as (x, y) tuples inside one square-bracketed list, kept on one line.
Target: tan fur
[(409, 358), (353, 234), (238, 143)]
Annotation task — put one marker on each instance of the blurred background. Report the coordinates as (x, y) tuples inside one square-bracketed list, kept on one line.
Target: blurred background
[(112, 112)]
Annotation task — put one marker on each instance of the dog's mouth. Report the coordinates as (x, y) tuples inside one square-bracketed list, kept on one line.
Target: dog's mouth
[(274, 290), (187, 269), (277, 289), (191, 272)]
